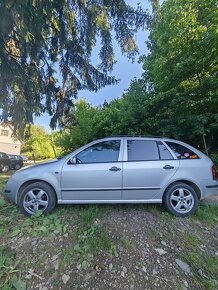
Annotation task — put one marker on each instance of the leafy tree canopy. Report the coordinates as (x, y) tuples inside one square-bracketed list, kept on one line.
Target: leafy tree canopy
[(40, 37), (182, 67), (38, 143), (177, 94)]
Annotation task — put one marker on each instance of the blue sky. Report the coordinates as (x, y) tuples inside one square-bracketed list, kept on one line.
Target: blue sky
[(124, 70)]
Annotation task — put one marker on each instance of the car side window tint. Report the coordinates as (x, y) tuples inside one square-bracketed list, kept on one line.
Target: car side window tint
[(107, 151), (181, 151), (164, 152), (142, 150)]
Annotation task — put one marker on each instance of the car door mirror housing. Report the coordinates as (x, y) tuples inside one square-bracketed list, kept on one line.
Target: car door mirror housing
[(73, 160)]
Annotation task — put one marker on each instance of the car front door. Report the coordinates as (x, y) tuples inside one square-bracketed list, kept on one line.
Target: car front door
[(148, 166), (96, 174)]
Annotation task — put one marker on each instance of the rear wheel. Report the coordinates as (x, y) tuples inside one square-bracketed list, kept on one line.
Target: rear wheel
[(37, 196), (180, 199)]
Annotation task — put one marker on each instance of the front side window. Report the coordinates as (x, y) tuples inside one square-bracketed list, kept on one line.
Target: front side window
[(181, 151), (107, 151), (142, 150)]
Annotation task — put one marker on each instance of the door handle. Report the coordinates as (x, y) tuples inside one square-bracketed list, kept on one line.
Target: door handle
[(168, 167), (114, 168)]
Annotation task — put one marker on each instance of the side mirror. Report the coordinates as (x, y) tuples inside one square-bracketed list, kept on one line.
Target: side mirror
[(73, 160)]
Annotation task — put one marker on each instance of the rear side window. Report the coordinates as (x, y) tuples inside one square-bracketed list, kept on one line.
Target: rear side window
[(181, 151), (142, 150), (164, 152)]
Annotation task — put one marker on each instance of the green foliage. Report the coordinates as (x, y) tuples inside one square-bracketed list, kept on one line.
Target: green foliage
[(191, 252), (127, 115), (80, 130), (207, 214), (90, 242), (40, 225), (9, 274), (39, 143), (177, 94), (38, 39), (182, 69), (214, 158)]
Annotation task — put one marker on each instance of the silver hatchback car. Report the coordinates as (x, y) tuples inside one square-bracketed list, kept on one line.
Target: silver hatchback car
[(118, 170)]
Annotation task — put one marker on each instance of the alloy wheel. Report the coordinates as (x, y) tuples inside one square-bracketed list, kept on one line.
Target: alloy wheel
[(34, 200), (182, 200)]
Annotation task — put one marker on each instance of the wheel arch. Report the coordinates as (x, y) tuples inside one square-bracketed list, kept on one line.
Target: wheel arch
[(26, 183), (188, 182)]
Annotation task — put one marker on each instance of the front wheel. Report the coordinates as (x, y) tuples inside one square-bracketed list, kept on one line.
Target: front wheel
[(180, 199), (17, 166), (37, 196)]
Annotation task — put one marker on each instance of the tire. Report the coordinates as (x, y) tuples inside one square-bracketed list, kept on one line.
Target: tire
[(37, 196), (180, 199), (5, 168), (17, 166)]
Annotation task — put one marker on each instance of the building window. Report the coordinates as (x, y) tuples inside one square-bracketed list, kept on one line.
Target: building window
[(4, 132)]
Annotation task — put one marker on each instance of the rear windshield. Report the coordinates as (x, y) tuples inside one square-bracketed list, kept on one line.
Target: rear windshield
[(3, 155), (181, 151)]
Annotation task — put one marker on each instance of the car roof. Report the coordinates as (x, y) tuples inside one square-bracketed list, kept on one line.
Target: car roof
[(137, 137)]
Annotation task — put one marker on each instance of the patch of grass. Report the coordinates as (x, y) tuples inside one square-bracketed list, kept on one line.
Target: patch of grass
[(3, 180), (155, 234), (198, 260), (41, 258), (36, 226), (88, 214), (154, 208), (207, 213), (91, 240), (8, 214), (127, 243), (9, 274), (165, 228)]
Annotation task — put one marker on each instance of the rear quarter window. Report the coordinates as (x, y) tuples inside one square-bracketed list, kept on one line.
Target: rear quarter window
[(182, 152)]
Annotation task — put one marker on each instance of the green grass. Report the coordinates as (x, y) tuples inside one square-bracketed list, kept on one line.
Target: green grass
[(3, 179), (207, 214), (128, 243), (88, 238), (9, 273), (191, 253)]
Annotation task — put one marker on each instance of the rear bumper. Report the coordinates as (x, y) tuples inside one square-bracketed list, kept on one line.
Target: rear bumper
[(209, 187)]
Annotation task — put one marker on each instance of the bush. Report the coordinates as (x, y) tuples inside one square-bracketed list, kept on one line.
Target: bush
[(214, 158)]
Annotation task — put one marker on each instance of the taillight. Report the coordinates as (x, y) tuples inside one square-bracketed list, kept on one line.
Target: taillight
[(213, 168)]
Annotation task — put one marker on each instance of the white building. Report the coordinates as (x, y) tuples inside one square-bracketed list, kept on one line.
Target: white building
[(8, 142)]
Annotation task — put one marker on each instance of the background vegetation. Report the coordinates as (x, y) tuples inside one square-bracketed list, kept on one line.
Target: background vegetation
[(39, 144), (46, 48), (177, 93)]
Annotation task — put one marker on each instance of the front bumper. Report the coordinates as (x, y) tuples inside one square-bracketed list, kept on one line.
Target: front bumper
[(209, 187), (11, 189)]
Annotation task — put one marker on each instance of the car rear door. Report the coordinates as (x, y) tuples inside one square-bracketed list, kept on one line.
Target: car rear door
[(97, 175), (147, 168)]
